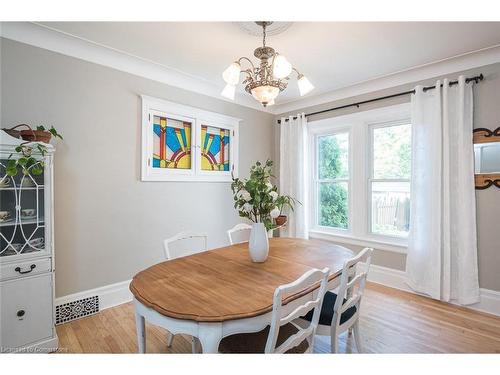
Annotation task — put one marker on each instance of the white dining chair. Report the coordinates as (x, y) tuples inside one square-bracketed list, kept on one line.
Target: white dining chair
[(173, 253), (340, 311), (242, 230), (282, 336)]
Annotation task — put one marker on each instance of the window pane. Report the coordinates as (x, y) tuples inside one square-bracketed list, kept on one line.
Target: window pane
[(171, 143), (333, 161), (391, 208), (214, 148), (333, 204), (392, 152)]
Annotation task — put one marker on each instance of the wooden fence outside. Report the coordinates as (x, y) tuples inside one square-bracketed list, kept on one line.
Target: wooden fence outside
[(391, 211)]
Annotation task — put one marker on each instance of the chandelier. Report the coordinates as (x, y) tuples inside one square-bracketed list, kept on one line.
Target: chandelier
[(266, 80)]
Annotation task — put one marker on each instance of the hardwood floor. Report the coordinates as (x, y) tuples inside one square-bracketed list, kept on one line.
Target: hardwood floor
[(392, 321)]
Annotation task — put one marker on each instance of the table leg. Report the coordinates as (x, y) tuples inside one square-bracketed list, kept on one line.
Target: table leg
[(170, 339), (210, 335), (140, 325), (195, 345)]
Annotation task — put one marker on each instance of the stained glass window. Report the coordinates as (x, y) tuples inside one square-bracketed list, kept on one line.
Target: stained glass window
[(171, 143), (214, 148)]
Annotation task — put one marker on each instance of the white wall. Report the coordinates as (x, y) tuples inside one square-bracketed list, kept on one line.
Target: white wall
[(109, 224)]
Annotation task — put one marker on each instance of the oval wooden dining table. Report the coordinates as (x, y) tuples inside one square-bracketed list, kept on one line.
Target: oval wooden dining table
[(220, 292)]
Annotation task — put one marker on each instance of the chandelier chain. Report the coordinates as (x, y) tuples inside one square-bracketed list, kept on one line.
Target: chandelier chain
[(264, 34)]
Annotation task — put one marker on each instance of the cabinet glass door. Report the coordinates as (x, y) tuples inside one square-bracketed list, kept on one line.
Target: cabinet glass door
[(22, 208)]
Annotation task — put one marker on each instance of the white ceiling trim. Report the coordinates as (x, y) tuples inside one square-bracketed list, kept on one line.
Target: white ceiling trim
[(70, 45), (471, 60)]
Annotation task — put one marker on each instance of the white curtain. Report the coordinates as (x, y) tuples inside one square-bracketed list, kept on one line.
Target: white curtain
[(442, 249), (293, 176)]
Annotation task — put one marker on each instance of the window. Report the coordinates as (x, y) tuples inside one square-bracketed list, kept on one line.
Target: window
[(215, 151), (171, 142), (332, 185), (181, 143), (390, 181), (360, 177)]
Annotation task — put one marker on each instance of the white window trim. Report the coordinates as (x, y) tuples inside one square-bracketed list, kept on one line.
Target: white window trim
[(314, 212), (370, 128), (198, 117), (360, 157), (354, 240)]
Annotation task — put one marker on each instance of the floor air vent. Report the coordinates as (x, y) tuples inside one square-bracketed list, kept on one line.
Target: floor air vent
[(77, 309)]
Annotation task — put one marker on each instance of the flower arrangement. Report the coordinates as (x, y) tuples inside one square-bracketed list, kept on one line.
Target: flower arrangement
[(257, 199)]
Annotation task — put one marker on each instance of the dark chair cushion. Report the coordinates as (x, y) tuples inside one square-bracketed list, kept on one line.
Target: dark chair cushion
[(326, 316), (256, 342)]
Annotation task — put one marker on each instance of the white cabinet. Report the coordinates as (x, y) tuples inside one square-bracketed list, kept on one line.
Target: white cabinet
[(26, 317), (26, 256)]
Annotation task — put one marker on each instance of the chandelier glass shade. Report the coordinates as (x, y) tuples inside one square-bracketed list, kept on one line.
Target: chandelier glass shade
[(266, 80), (232, 74), (281, 67), (228, 92), (265, 94), (304, 84)]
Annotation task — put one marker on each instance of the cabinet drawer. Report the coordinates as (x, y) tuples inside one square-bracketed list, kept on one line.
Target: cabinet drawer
[(25, 268), (26, 311)]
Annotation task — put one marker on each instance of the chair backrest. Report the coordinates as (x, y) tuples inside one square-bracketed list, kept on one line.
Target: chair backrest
[(236, 230), (352, 290), (171, 253), (282, 315)]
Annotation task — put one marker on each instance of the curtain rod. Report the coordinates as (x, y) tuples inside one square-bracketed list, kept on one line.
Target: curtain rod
[(476, 79)]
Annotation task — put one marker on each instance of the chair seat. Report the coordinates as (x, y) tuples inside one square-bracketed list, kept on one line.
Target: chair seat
[(256, 342), (325, 319)]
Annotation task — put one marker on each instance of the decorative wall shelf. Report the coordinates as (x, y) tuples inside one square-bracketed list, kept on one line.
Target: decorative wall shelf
[(486, 157)]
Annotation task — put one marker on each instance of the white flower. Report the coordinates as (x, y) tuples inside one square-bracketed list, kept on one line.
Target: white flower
[(275, 212), (273, 195), (269, 185), (245, 195), (247, 207)]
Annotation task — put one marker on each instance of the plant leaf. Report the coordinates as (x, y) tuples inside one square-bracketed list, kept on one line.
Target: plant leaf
[(11, 171)]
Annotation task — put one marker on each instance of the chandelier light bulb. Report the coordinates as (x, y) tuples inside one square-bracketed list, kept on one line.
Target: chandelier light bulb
[(270, 103), (305, 86), (228, 91), (281, 67), (265, 94), (232, 74)]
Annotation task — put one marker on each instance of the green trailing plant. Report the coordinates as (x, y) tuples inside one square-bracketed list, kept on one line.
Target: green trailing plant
[(29, 157), (52, 131), (257, 199), (26, 161)]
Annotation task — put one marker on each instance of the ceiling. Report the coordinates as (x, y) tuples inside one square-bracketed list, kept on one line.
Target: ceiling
[(332, 55)]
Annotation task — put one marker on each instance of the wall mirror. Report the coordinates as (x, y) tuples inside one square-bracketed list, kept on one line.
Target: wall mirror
[(487, 157)]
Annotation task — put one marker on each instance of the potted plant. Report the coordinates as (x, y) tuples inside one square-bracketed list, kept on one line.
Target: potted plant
[(40, 134), (281, 202), (258, 200), (30, 154)]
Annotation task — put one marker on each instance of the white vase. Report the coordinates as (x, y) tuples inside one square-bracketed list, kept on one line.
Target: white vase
[(258, 245)]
